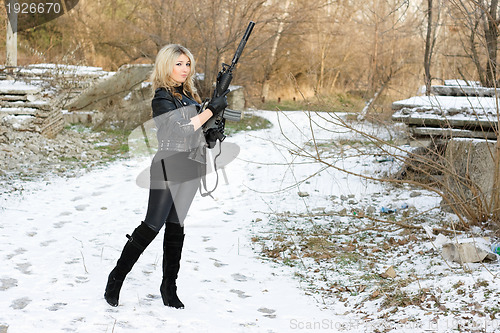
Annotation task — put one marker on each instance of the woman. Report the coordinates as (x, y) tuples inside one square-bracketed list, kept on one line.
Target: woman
[(175, 170)]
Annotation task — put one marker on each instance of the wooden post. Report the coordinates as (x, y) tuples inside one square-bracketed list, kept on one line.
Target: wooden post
[(11, 43)]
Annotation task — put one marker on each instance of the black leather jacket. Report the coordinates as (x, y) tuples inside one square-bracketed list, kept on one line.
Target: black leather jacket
[(172, 118)]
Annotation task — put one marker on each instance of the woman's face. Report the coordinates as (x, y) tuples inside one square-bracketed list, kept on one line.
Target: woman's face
[(181, 70)]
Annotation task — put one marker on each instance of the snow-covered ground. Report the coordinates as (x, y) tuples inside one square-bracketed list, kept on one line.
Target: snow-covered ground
[(60, 238)]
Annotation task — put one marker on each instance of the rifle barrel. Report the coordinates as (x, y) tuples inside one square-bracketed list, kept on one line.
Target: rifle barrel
[(243, 42)]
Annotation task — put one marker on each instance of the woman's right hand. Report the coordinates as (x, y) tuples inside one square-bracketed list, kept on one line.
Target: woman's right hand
[(218, 104)]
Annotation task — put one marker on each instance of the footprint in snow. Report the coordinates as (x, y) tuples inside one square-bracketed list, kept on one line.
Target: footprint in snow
[(240, 293), (81, 279), (24, 268), (65, 213), (56, 306), (269, 313), (206, 238), (152, 297), (47, 243), (77, 198), (20, 303), (16, 252), (7, 283), (218, 263), (210, 249), (239, 277), (60, 224)]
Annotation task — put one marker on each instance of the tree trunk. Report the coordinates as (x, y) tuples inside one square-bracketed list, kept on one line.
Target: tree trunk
[(495, 195), (374, 60), (475, 56), (491, 36), (11, 42), (319, 83), (274, 49), (428, 53), (337, 74)]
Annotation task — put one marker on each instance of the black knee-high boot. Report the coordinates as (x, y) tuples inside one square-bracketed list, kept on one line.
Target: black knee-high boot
[(137, 243), (172, 249)]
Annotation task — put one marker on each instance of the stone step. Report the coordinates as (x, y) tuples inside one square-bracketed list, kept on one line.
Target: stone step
[(13, 97), (17, 111), (22, 122), (464, 91), (456, 122), (41, 105), (451, 133), (12, 87)]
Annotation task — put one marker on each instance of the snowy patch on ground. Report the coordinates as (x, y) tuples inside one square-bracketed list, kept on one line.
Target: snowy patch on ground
[(340, 234), (256, 259)]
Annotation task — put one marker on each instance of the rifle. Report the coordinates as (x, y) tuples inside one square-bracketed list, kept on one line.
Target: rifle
[(214, 127)]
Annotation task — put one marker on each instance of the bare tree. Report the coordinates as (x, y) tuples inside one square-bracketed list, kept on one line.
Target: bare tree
[(216, 35), (479, 20), (387, 22), (333, 24), (323, 44), (430, 42), (272, 56), (491, 36)]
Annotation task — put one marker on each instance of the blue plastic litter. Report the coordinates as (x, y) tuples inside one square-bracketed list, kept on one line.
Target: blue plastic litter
[(386, 210)]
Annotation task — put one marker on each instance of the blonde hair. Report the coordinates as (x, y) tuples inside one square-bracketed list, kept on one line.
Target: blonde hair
[(164, 65)]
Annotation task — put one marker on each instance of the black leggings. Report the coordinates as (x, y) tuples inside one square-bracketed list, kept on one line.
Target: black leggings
[(170, 205), (174, 181)]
